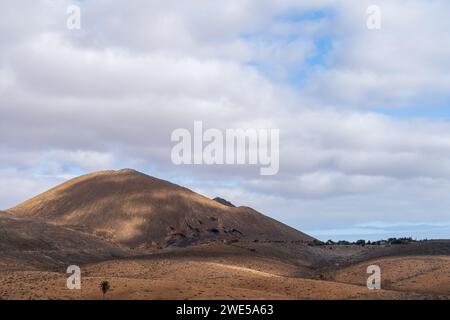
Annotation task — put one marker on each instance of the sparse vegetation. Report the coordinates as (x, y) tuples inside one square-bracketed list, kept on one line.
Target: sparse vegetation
[(316, 242), (361, 242), (104, 287)]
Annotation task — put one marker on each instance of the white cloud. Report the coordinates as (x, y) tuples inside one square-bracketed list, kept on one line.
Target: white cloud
[(405, 63), (17, 185)]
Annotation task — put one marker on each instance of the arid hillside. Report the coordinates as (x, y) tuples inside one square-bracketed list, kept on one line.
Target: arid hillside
[(152, 239), (138, 211), (34, 245)]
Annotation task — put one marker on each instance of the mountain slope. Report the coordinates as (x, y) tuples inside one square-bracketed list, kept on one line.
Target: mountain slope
[(139, 211), (34, 244)]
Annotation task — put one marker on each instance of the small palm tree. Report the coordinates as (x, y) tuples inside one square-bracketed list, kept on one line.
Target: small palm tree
[(104, 286)]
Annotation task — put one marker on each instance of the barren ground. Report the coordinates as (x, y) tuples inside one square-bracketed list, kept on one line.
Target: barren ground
[(228, 272)]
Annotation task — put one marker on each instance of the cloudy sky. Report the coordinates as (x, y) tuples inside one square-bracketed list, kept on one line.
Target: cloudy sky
[(363, 114)]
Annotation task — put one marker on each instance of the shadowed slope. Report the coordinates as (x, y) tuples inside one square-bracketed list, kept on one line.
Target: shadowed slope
[(133, 209), (30, 244)]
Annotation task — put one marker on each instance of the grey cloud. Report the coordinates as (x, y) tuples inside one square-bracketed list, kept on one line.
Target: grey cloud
[(110, 95)]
